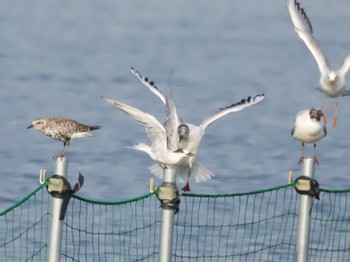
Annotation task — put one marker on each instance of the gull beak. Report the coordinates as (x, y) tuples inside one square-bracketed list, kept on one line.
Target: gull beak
[(30, 126), (319, 116)]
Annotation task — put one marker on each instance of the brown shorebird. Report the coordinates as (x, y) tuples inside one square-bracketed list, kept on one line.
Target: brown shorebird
[(62, 129)]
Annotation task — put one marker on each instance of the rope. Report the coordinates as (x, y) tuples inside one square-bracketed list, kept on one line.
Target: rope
[(240, 194), (25, 199), (115, 203)]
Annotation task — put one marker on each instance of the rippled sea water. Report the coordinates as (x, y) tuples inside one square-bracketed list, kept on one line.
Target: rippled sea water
[(58, 57)]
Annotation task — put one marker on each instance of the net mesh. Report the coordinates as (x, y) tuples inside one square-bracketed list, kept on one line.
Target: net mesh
[(112, 231), (330, 227), (255, 226), (23, 228)]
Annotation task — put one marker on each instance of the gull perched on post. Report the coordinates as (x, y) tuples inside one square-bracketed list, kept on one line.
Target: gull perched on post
[(63, 130), (332, 82), (307, 128), (189, 136), (162, 151)]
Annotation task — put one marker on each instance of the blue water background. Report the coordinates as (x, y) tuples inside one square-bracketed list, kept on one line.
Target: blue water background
[(58, 57)]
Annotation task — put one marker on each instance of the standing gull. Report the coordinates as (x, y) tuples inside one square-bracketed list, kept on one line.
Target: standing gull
[(63, 130), (189, 136), (162, 151), (332, 82), (308, 129)]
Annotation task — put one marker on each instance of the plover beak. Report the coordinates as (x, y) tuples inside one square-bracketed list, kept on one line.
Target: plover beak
[(30, 126)]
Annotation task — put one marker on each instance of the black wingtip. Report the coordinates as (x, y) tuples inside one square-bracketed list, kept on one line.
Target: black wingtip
[(243, 101), (302, 11)]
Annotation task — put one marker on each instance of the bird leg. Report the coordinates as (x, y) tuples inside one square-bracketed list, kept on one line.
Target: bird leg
[(64, 150), (336, 113), (325, 110), (301, 160), (315, 158), (186, 188)]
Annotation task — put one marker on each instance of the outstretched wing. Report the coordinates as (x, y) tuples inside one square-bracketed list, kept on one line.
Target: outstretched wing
[(155, 130), (344, 68), (171, 124), (150, 84), (303, 28), (232, 108), (173, 119)]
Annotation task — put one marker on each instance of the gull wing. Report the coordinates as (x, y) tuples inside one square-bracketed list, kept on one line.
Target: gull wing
[(173, 118), (172, 123), (303, 28), (155, 130), (150, 84), (293, 128), (344, 68), (232, 108)]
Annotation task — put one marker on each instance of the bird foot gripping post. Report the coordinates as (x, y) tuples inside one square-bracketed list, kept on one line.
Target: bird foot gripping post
[(61, 192), (168, 195)]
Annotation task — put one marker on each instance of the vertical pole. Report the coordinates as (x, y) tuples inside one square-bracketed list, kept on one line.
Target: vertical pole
[(302, 249), (55, 233), (167, 224)]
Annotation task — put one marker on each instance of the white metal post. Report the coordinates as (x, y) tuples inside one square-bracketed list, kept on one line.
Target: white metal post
[(167, 224), (302, 247), (56, 225)]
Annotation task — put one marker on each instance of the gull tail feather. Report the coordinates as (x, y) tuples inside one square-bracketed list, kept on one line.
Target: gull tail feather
[(345, 93), (198, 173), (141, 147)]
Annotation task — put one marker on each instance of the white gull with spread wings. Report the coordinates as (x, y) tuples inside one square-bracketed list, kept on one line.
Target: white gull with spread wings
[(190, 135), (332, 82), (161, 150)]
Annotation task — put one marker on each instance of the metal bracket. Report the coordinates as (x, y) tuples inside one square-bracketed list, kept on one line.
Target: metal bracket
[(290, 177), (42, 175), (307, 186), (151, 185), (59, 187), (168, 195)]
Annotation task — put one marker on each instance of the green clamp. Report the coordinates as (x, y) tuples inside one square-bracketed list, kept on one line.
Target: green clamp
[(168, 195), (307, 186), (59, 187)]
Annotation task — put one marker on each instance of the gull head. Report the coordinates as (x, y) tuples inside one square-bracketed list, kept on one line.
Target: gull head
[(38, 124), (183, 130), (332, 77), (316, 113)]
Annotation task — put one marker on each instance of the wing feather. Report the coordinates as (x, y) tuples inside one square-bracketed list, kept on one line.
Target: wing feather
[(303, 28), (150, 84), (232, 108), (155, 130)]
